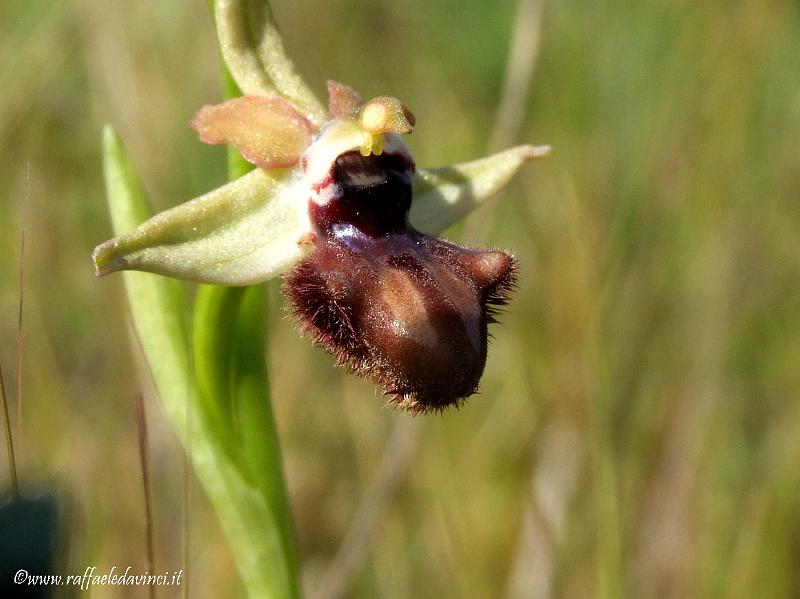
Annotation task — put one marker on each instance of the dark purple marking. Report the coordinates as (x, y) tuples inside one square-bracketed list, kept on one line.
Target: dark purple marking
[(374, 195)]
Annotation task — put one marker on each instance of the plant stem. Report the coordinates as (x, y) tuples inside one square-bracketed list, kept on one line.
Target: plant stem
[(230, 362)]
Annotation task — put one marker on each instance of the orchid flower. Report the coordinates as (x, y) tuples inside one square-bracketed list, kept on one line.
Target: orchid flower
[(337, 205)]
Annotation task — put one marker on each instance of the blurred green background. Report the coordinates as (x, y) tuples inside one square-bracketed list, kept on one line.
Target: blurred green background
[(638, 427)]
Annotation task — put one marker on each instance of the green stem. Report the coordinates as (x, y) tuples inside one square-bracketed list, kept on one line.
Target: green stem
[(229, 354), (214, 315), (259, 436), (230, 363)]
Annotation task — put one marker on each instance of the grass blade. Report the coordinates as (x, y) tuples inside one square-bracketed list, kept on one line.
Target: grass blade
[(12, 464), (141, 429)]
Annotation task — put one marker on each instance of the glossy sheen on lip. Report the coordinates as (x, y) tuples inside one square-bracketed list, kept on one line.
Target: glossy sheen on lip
[(404, 309), (372, 194)]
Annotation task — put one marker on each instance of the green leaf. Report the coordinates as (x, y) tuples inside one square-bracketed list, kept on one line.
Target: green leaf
[(251, 525), (157, 304), (253, 51), (444, 195)]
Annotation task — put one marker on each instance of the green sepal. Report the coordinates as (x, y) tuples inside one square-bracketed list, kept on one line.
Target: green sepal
[(241, 233), (444, 195), (253, 51)]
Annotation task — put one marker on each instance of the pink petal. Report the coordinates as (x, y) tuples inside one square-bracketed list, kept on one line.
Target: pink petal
[(342, 100), (267, 130)]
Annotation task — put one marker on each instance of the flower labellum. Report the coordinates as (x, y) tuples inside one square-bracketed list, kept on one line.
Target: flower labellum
[(404, 309), (343, 211)]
